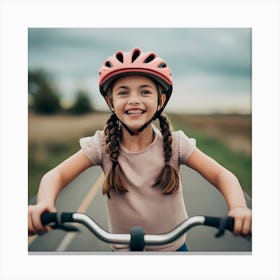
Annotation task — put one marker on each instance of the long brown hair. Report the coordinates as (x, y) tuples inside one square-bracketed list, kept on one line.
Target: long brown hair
[(168, 178), (115, 178)]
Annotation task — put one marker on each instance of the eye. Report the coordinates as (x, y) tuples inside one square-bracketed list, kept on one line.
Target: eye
[(146, 92), (122, 92)]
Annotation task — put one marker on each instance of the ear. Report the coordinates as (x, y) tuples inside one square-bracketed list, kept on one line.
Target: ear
[(109, 102), (162, 100)]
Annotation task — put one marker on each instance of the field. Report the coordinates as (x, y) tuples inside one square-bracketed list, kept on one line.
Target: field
[(235, 131), (227, 138)]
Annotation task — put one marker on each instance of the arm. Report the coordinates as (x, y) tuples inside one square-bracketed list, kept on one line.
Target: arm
[(227, 183), (51, 184)]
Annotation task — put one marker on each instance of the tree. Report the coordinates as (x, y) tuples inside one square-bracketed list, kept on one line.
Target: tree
[(82, 104), (45, 98)]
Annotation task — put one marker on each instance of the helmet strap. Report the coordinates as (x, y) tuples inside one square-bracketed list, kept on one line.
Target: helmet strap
[(137, 131)]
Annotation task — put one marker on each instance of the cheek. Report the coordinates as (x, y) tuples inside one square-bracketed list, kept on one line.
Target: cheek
[(118, 105), (154, 102)]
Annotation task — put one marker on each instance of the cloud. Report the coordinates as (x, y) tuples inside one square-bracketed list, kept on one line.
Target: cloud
[(209, 60), (211, 93)]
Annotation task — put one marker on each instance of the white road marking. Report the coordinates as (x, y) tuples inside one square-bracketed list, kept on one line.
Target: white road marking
[(66, 241), (83, 207)]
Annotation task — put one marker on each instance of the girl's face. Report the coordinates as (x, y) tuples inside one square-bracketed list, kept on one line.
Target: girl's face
[(135, 100)]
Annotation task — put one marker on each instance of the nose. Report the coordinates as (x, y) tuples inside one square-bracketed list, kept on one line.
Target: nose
[(133, 99)]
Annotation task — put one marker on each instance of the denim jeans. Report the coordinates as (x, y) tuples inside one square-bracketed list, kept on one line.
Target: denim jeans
[(183, 248)]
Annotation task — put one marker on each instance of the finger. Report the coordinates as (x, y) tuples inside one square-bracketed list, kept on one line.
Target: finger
[(37, 230), (31, 230), (247, 225), (238, 223), (36, 219), (48, 228), (50, 209)]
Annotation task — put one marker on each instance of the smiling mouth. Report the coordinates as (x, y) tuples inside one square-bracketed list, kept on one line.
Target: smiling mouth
[(135, 112)]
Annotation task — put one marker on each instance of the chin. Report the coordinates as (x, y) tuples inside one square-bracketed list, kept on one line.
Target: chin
[(134, 125), (134, 122)]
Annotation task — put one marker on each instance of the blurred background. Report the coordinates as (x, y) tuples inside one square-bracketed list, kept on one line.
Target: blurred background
[(211, 101)]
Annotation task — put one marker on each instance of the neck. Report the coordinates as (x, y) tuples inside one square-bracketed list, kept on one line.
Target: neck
[(136, 143)]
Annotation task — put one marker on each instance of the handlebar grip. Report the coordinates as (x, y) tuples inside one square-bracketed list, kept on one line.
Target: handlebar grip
[(216, 222), (48, 218), (58, 218)]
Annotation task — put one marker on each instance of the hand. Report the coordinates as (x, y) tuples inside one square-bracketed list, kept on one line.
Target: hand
[(242, 220), (34, 218)]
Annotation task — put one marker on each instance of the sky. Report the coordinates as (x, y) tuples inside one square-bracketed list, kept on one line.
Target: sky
[(211, 67)]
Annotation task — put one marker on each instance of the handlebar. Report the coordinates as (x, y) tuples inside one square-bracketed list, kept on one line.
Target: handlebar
[(136, 239)]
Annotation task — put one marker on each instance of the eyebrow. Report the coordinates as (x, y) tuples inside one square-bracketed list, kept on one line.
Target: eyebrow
[(145, 86), (126, 87)]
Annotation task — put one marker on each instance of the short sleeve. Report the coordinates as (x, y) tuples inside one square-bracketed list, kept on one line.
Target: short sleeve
[(186, 146), (92, 146)]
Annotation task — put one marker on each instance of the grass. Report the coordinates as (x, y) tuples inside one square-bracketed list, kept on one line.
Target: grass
[(237, 162), (42, 158)]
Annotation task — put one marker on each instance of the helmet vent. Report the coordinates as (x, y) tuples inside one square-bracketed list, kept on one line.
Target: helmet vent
[(108, 64), (149, 58), (162, 65), (119, 57), (135, 55)]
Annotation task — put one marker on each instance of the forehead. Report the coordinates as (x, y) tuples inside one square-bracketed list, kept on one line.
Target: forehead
[(133, 80)]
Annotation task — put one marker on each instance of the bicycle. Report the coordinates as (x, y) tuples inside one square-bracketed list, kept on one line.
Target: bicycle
[(136, 239)]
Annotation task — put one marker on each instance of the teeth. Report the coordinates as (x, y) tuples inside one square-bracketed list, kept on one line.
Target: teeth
[(135, 112)]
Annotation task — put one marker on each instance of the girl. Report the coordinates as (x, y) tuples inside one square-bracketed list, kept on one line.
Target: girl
[(140, 162)]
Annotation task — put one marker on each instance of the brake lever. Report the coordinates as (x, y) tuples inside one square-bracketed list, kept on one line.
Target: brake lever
[(222, 227)]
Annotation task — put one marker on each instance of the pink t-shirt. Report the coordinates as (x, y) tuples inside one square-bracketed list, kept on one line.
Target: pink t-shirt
[(143, 205)]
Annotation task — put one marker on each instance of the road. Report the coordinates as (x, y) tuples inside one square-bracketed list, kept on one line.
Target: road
[(84, 194)]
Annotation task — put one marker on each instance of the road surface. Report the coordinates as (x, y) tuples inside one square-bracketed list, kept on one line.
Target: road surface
[(84, 194)]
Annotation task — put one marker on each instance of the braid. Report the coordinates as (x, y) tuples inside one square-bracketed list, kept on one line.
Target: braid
[(112, 137), (168, 178), (167, 138), (115, 178)]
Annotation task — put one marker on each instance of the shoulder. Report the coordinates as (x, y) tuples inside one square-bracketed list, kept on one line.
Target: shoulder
[(183, 144), (180, 136), (96, 139), (94, 146)]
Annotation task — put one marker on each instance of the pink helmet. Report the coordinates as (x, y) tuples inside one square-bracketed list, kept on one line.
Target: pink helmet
[(136, 62)]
